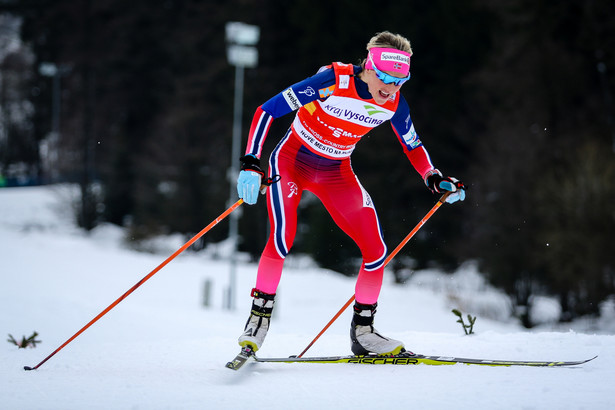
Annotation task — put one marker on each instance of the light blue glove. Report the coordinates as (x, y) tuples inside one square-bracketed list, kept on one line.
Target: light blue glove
[(248, 186), (439, 184), (457, 188)]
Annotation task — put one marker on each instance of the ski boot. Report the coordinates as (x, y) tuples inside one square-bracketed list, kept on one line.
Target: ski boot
[(258, 322), (365, 339)]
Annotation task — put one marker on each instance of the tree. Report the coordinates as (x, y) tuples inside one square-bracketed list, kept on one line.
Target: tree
[(539, 96), (19, 155)]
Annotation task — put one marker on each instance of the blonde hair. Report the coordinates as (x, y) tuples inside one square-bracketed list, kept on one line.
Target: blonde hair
[(386, 39)]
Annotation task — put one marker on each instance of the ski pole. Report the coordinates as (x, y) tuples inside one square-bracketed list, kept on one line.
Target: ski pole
[(386, 262), (142, 281)]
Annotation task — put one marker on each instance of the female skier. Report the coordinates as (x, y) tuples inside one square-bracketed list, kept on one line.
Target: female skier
[(336, 107)]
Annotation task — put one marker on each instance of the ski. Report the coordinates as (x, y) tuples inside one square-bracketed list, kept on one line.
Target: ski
[(408, 358), (241, 359)]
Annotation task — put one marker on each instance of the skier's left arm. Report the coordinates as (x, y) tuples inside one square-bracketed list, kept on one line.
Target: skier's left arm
[(419, 157)]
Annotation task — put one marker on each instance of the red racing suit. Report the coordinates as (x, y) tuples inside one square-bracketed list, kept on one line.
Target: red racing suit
[(334, 111)]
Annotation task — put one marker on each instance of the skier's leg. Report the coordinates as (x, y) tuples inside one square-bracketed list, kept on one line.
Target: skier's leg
[(353, 211)]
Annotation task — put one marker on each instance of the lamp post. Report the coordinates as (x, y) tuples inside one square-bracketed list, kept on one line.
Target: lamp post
[(241, 53)]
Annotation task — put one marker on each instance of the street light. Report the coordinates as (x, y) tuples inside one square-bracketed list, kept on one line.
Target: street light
[(241, 38)]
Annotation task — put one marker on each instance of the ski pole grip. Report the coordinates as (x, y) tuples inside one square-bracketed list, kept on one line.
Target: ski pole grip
[(444, 196)]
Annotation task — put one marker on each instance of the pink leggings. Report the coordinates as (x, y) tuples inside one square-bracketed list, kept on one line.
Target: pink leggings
[(350, 206)]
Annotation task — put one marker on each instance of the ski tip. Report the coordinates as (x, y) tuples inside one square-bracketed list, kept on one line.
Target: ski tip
[(586, 360), (579, 362)]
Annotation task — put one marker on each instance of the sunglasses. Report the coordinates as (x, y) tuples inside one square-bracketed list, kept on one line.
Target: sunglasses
[(387, 78)]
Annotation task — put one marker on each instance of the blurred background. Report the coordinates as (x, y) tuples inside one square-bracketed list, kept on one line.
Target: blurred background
[(134, 102)]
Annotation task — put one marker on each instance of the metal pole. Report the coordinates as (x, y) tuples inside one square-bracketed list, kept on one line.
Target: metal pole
[(234, 171), (55, 104)]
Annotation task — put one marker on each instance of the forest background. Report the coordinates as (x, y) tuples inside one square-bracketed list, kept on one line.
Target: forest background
[(514, 97)]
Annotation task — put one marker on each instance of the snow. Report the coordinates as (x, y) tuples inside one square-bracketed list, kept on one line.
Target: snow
[(162, 348)]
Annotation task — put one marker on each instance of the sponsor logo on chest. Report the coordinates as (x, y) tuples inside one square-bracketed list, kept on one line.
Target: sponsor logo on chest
[(356, 111)]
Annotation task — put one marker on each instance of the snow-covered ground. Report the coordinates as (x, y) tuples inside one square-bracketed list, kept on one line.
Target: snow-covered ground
[(162, 348)]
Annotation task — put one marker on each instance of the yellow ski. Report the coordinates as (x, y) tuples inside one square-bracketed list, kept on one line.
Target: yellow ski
[(408, 358)]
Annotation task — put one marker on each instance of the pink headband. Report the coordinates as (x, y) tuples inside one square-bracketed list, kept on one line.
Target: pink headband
[(389, 59)]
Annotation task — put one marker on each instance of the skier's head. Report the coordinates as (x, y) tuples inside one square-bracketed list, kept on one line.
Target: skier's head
[(387, 65), (388, 52)]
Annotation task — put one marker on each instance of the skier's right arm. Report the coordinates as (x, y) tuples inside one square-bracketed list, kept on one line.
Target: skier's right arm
[(289, 100), (285, 102)]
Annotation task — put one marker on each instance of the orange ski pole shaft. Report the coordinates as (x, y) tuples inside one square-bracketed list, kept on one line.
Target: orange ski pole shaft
[(386, 262), (142, 281)]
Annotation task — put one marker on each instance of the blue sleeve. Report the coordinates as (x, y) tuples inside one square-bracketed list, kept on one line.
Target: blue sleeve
[(300, 93), (412, 146), (403, 126)]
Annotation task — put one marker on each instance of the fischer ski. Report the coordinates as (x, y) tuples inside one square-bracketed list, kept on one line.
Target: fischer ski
[(241, 359), (408, 358)]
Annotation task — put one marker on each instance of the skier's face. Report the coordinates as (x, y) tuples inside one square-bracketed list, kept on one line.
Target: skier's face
[(380, 91)]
